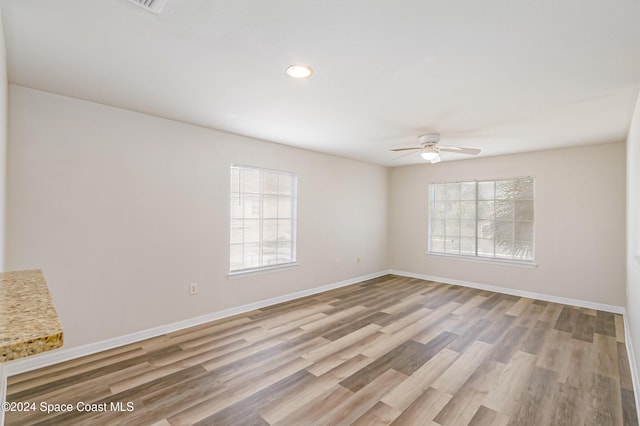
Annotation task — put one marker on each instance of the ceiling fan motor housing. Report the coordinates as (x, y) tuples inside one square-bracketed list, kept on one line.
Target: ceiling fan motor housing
[(429, 139)]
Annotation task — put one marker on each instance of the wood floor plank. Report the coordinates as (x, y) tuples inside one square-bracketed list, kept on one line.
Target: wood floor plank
[(535, 337), (605, 323), (511, 383), (605, 404), (417, 383), (535, 399), (607, 355), (390, 350), (347, 411), (423, 409), (567, 319), (624, 371), (463, 367), (378, 415), (629, 412), (584, 328), (619, 326), (487, 417), (566, 410), (467, 400), (578, 372)]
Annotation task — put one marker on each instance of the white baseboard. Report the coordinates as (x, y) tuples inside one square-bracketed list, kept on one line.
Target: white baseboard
[(45, 359), (521, 293), (632, 364)]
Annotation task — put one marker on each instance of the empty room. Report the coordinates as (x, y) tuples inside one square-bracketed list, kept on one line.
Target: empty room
[(319, 213)]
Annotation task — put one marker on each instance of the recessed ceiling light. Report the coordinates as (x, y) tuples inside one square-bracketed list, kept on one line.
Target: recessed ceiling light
[(299, 71)]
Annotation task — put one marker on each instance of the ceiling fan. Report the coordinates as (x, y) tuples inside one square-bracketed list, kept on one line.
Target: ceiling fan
[(430, 148)]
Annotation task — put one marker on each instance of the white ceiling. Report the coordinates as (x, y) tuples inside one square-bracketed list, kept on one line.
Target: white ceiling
[(502, 76)]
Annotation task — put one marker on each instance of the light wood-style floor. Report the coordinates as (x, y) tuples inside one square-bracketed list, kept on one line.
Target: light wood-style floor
[(392, 350)]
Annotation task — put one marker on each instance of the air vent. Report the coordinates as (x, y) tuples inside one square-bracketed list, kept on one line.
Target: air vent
[(154, 6)]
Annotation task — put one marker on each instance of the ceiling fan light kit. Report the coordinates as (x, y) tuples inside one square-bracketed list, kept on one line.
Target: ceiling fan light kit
[(429, 155)]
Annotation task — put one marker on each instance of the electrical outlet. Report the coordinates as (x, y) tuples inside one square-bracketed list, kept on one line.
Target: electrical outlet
[(418, 257), (357, 259), (193, 289), (338, 263)]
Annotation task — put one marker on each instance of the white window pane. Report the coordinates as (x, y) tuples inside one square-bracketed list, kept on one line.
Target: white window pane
[(251, 230), (270, 230), (452, 228), (524, 188), (486, 210), (284, 230), (437, 245), (468, 191), (251, 204), (452, 191), (468, 246), (505, 189), (452, 246), (270, 206), (236, 257), (524, 210), (504, 249), (235, 180), (452, 209), (486, 229), (438, 210), (468, 209), (504, 210), (250, 181), (437, 227), (269, 182), (485, 247), (251, 255), (237, 208), (523, 250), (284, 253), (285, 205), (468, 228), (237, 231), (269, 254), (285, 184), (486, 190), (504, 231), (438, 191), (524, 230)]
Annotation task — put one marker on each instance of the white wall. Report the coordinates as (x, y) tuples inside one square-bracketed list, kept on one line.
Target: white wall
[(633, 238), (579, 222), (3, 143), (123, 210)]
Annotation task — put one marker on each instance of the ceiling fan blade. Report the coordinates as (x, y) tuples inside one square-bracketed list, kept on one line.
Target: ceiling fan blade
[(403, 155), (459, 150), (406, 149)]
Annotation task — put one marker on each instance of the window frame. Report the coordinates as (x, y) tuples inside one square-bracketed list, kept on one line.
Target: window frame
[(475, 257), (240, 192)]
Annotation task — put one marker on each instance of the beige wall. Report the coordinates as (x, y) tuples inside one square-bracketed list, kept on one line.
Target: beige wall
[(579, 222), (123, 210), (633, 238)]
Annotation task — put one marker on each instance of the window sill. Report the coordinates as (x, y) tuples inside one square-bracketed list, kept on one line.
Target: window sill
[(263, 270), (503, 262)]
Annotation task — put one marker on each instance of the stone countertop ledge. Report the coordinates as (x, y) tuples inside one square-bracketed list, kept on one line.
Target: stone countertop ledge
[(29, 323)]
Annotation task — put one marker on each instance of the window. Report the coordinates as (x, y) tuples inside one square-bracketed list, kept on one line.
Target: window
[(485, 219), (263, 218)]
